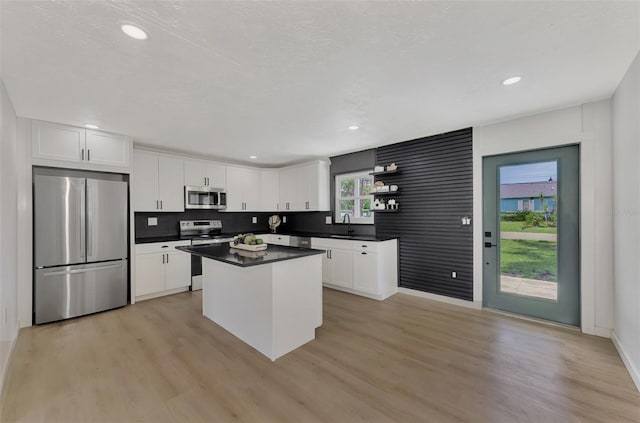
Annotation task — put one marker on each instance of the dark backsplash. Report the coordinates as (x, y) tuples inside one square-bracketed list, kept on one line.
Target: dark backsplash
[(168, 223)]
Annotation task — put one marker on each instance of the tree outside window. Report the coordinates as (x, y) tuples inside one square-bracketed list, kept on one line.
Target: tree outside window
[(353, 197)]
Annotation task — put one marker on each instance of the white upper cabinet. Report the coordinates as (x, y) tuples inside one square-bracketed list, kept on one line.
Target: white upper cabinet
[(57, 142), (107, 149), (145, 182), (235, 195), (269, 189), (170, 184), (69, 146), (200, 173), (251, 189), (243, 189), (289, 189), (157, 183), (305, 188), (195, 173)]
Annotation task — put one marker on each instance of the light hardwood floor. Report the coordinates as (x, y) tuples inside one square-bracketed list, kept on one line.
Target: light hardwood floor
[(403, 359)]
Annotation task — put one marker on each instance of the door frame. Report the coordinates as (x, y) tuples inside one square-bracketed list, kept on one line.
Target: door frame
[(569, 155)]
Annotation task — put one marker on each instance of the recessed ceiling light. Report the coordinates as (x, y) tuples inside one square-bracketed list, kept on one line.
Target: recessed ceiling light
[(253, 157), (354, 127), (91, 126), (134, 32), (512, 80)]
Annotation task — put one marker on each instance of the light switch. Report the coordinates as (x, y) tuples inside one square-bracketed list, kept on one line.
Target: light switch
[(254, 219), (454, 275), (284, 219), (152, 221), (327, 220)]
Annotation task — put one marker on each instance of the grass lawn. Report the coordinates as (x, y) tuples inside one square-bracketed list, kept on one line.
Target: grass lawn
[(529, 259), (518, 227)]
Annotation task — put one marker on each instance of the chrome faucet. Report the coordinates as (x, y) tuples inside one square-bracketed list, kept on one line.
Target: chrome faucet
[(347, 217)]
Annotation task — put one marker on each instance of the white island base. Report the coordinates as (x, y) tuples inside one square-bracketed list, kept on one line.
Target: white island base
[(274, 307)]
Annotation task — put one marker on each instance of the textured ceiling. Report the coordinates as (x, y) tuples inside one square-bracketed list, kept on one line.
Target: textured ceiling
[(284, 80)]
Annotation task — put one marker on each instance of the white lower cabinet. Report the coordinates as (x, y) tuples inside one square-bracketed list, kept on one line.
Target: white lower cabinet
[(360, 267), (341, 267), (365, 272), (160, 267)]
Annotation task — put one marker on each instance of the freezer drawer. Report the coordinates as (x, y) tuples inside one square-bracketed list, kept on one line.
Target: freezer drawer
[(70, 291)]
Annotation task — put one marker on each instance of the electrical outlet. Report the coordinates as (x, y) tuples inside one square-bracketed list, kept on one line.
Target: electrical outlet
[(152, 221), (284, 219), (327, 220), (254, 219), (454, 275)]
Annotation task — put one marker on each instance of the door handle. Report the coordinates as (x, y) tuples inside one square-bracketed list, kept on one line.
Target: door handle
[(489, 245), (157, 205), (76, 271), (363, 253), (162, 258), (330, 255), (82, 154), (160, 204), (167, 258), (88, 155)]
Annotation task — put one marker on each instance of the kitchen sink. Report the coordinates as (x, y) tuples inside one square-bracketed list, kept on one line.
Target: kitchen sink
[(341, 236)]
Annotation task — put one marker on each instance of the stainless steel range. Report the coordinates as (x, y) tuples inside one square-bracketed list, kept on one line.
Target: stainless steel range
[(201, 232)]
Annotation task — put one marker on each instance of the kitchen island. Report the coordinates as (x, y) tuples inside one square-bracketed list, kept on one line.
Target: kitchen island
[(271, 299)]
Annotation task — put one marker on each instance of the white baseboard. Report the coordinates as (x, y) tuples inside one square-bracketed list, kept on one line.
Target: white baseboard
[(603, 332), (633, 372), (4, 367), (161, 293), (442, 298)]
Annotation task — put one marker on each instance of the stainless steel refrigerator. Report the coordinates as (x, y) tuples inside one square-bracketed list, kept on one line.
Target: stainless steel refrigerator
[(80, 244)]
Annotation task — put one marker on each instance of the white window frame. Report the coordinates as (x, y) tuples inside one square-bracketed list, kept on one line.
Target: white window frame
[(356, 197)]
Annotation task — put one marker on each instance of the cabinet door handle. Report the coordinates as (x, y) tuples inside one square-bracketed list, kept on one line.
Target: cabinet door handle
[(167, 258), (83, 154), (330, 255), (163, 259), (363, 253), (278, 206), (160, 204), (157, 205), (88, 155), (327, 253), (287, 206), (364, 246)]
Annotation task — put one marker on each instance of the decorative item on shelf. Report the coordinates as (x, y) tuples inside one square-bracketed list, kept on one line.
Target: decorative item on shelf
[(378, 168), (377, 186), (274, 222), (378, 204), (391, 167), (393, 188), (392, 204)]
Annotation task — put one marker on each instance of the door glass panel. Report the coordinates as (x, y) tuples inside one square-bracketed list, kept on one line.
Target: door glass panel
[(528, 230)]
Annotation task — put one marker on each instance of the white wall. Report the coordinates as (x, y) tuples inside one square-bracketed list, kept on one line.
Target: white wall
[(590, 126), (626, 216), (8, 230)]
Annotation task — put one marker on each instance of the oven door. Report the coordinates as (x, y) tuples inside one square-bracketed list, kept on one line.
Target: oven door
[(200, 198)]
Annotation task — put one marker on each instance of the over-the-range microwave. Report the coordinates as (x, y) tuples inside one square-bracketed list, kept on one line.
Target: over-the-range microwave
[(204, 198)]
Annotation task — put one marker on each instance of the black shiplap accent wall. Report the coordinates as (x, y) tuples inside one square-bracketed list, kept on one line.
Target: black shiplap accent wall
[(435, 181)]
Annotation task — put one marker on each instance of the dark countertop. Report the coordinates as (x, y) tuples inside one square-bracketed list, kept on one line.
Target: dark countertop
[(370, 238), (242, 258)]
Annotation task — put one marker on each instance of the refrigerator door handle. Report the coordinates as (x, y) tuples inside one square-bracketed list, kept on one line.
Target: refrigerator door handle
[(83, 219), (89, 247), (76, 271)]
